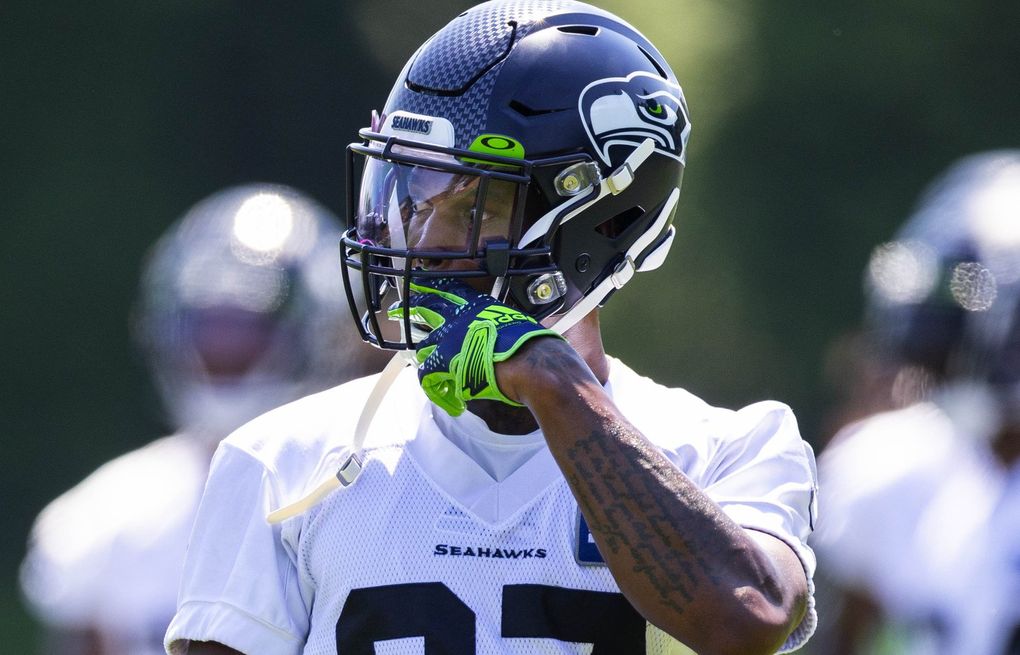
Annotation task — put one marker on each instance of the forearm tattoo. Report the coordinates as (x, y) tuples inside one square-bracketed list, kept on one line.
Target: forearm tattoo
[(626, 501), (644, 510)]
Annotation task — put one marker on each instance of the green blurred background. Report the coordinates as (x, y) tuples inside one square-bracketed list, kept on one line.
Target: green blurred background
[(815, 126)]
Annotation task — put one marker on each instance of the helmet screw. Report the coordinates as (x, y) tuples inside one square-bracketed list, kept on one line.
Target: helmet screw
[(546, 288), (582, 263)]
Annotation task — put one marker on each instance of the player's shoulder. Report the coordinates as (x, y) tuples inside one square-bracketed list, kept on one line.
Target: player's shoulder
[(903, 434), (645, 401), (706, 440), (311, 427), (641, 395), (141, 492), (908, 448), (156, 470)]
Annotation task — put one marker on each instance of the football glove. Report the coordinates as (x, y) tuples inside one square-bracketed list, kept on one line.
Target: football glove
[(470, 333)]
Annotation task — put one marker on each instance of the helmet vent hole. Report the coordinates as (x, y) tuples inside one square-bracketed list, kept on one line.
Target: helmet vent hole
[(658, 66), (619, 224), (586, 30), (525, 110)]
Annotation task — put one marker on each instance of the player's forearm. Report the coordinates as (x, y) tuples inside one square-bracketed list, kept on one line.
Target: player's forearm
[(685, 565)]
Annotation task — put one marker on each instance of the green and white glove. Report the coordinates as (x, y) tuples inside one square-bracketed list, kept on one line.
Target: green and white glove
[(471, 333)]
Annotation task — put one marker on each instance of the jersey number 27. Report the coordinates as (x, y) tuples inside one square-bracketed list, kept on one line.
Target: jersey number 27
[(431, 611)]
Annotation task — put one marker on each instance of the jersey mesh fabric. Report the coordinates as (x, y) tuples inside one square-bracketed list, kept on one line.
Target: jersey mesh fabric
[(419, 535)]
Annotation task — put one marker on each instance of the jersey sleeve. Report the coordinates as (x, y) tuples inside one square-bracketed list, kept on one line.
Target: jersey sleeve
[(86, 546), (763, 476), (879, 474), (241, 585), (854, 533), (63, 566)]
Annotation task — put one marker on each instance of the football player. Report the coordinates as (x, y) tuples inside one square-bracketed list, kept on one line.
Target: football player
[(518, 491), (239, 311), (922, 503)]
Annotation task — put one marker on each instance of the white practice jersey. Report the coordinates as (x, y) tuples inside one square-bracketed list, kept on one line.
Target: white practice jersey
[(910, 517), (108, 554), (979, 611), (428, 553)]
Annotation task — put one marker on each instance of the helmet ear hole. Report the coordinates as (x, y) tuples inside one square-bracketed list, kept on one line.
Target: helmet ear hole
[(618, 225)]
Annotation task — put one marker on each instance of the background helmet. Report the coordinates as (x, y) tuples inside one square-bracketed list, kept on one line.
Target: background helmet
[(945, 293), (551, 135), (240, 308)]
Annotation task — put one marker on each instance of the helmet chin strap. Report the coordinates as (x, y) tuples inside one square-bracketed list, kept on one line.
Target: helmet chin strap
[(351, 468), (615, 183)]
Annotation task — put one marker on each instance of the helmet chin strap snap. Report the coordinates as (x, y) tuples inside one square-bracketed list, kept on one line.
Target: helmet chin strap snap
[(621, 178), (614, 184), (351, 467), (547, 288), (600, 188)]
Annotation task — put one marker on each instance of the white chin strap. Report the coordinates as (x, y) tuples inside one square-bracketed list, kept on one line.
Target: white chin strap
[(614, 184), (351, 468)]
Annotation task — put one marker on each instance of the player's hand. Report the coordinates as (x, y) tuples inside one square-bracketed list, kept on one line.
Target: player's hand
[(471, 333)]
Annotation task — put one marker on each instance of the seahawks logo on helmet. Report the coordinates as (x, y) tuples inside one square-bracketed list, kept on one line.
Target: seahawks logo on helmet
[(624, 111)]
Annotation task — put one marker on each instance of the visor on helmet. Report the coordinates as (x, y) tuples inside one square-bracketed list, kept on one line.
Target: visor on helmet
[(421, 210)]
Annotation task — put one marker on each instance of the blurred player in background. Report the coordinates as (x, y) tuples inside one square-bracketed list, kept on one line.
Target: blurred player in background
[(920, 528), (240, 310)]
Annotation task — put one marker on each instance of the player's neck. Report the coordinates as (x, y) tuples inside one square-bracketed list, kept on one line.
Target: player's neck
[(586, 339), (503, 418)]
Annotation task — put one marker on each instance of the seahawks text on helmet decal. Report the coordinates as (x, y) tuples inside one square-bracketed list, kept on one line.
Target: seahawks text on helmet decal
[(624, 111), (412, 124)]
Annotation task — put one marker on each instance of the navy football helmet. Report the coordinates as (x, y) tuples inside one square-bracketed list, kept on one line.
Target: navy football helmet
[(240, 308), (533, 149), (945, 293)]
